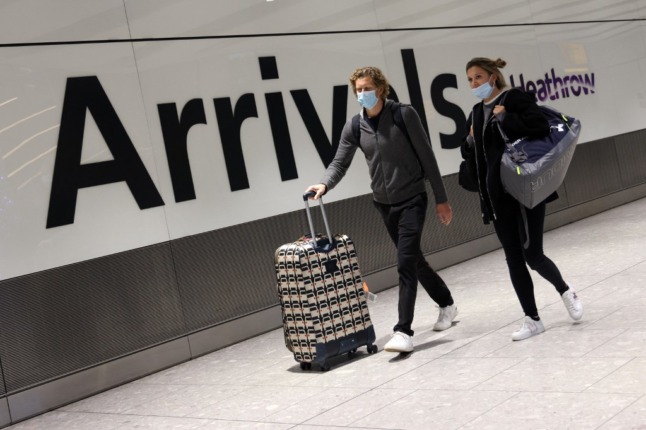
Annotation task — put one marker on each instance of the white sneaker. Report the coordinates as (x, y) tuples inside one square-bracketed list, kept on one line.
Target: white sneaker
[(400, 342), (573, 304), (446, 317), (528, 329)]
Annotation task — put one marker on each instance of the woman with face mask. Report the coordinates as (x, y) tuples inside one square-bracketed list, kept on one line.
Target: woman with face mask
[(519, 116), (399, 164)]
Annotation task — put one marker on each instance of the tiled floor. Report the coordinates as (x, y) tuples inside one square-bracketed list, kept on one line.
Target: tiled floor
[(586, 375)]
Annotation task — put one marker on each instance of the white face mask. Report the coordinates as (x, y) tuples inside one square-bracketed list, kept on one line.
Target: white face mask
[(367, 99), (483, 91)]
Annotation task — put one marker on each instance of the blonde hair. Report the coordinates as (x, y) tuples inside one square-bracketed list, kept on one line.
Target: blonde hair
[(490, 66), (377, 76)]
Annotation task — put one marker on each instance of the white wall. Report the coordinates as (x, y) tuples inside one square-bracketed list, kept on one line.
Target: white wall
[(152, 52)]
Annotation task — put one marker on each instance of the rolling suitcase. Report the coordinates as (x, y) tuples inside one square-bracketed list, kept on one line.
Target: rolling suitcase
[(320, 287)]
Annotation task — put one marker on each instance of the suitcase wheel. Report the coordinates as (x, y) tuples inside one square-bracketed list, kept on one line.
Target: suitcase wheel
[(372, 349), (325, 367), (306, 366)]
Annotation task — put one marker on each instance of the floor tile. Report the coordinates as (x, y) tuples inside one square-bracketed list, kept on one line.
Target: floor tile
[(561, 343), (350, 411), (426, 409), (243, 425), (453, 373), (316, 405), (256, 403), (580, 411), (566, 375), (120, 399), (629, 317), (483, 346), (631, 418), (184, 402), (372, 372), (627, 344), (93, 421), (628, 379)]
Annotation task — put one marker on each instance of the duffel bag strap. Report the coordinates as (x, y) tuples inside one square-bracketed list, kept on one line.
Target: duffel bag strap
[(516, 155)]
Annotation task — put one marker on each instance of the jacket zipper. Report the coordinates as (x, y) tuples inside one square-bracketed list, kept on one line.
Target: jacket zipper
[(484, 127)]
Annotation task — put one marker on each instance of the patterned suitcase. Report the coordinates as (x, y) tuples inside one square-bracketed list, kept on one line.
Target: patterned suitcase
[(320, 287)]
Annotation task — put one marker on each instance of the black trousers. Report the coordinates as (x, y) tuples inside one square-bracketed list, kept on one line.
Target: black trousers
[(405, 222), (511, 232)]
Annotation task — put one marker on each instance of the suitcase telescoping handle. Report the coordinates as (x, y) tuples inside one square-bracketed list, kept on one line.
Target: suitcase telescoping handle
[(306, 199)]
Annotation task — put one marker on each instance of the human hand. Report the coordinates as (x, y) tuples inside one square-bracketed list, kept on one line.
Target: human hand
[(444, 213), (319, 190), (471, 132), (498, 109)]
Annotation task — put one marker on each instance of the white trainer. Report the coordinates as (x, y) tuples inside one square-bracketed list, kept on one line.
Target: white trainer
[(528, 329), (573, 304), (446, 317), (400, 342)]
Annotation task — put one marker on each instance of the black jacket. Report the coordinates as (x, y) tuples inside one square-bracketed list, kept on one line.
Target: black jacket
[(522, 118)]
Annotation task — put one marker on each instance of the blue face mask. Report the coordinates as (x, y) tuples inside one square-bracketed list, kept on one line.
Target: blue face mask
[(483, 91), (367, 99)]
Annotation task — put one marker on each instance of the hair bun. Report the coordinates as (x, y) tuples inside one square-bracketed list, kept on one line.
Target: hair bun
[(500, 63)]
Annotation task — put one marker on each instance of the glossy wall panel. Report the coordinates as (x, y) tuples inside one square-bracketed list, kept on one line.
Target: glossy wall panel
[(460, 13), (229, 71), (284, 112), (568, 11), (42, 21), (105, 219), (591, 49), (169, 18)]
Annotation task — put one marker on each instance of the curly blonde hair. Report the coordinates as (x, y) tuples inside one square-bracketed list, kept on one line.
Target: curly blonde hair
[(492, 67), (377, 76)]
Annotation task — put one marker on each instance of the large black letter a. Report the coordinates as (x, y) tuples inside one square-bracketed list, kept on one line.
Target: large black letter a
[(83, 94)]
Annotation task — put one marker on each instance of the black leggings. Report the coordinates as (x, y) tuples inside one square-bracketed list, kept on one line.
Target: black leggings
[(510, 229), (405, 222)]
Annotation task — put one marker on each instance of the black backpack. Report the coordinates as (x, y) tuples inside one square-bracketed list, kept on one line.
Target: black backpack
[(398, 119)]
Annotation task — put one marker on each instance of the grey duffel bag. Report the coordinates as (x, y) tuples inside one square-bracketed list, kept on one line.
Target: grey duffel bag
[(532, 169)]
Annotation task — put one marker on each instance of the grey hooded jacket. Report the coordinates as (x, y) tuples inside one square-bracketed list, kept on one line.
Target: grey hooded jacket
[(397, 167)]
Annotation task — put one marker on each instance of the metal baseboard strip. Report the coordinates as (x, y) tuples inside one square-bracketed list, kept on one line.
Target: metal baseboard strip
[(5, 416), (71, 388), (222, 335)]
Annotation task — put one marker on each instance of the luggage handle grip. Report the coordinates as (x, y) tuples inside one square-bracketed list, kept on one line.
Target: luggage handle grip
[(306, 197)]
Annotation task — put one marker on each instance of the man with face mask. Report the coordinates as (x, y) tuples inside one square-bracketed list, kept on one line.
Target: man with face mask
[(399, 162)]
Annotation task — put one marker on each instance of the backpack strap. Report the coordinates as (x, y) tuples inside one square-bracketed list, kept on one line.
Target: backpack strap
[(356, 131), (398, 119)]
